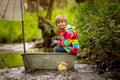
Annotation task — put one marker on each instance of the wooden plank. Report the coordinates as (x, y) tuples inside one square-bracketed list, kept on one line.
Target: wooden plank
[(0, 1), (9, 11), (17, 10), (3, 5)]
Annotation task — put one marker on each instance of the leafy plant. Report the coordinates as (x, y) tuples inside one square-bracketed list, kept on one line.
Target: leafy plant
[(98, 24)]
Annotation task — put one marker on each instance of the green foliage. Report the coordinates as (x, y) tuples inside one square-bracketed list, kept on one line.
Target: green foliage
[(32, 32), (11, 31), (98, 24)]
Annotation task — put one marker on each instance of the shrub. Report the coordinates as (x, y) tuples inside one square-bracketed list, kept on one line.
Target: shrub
[(98, 24)]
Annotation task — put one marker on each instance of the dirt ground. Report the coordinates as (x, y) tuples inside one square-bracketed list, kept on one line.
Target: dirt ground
[(80, 72)]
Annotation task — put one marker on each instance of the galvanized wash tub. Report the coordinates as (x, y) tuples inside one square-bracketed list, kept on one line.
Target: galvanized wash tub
[(47, 60)]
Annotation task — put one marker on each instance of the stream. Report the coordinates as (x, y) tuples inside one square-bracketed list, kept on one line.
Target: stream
[(83, 70), (80, 72)]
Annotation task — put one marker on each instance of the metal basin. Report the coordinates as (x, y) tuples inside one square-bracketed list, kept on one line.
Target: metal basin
[(47, 60)]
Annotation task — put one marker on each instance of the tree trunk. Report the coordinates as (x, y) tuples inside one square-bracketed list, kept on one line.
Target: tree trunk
[(47, 31), (46, 26), (50, 8)]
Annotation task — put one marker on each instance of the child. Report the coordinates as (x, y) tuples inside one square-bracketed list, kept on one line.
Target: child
[(67, 39)]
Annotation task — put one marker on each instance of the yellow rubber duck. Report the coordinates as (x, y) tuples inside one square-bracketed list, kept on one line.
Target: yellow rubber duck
[(62, 66)]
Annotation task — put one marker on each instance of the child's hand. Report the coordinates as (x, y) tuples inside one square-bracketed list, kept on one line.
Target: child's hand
[(55, 42)]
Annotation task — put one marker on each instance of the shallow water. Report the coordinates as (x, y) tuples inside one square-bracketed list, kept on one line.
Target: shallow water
[(80, 72)]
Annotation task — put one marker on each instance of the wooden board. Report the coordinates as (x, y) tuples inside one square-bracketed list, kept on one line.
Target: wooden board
[(10, 10)]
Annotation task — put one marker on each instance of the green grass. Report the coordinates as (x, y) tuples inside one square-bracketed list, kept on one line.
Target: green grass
[(11, 31), (11, 60)]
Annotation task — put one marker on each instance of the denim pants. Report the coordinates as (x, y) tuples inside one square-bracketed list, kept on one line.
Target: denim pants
[(59, 49)]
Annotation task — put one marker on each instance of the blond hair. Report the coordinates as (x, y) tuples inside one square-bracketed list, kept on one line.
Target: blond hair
[(61, 18)]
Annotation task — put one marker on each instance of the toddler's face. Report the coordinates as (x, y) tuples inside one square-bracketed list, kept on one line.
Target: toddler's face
[(61, 24)]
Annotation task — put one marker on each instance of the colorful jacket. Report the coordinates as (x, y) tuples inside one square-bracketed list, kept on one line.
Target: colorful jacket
[(69, 41)]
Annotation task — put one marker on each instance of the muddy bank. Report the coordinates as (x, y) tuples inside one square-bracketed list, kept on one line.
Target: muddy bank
[(80, 72)]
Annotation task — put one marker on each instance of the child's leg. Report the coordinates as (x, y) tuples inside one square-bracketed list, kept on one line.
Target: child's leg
[(59, 49)]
